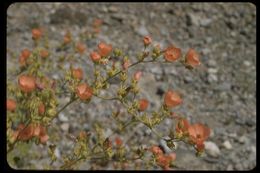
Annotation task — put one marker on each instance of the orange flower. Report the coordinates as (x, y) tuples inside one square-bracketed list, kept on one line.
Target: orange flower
[(172, 99), (172, 54), (26, 83), (41, 109), (137, 75), (198, 133), (118, 141), (192, 58), (44, 53), (84, 92), (156, 150), (26, 53), (11, 105), (95, 56), (67, 38), (36, 33), (26, 133), (165, 160), (81, 48), (104, 49), (143, 104), (182, 126), (77, 73), (147, 40)]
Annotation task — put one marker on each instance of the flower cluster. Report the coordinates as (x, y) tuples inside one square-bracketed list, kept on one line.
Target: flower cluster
[(32, 103)]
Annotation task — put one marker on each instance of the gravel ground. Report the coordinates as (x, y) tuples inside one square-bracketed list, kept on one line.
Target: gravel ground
[(220, 93)]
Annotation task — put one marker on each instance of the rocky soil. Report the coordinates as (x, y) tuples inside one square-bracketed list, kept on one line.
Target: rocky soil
[(220, 93)]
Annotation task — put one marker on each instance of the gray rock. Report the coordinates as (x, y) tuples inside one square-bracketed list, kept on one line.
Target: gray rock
[(212, 63), (65, 127), (165, 147), (223, 86), (62, 117), (205, 22), (212, 149), (227, 145), (212, 70), (230, 167), (142, 31), (212, 78), (243, 140)]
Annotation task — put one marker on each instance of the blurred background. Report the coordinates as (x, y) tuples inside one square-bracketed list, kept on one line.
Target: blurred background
[(220, 93)]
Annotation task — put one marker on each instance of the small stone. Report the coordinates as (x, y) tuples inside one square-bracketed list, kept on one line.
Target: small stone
[(165, 147), (62, 117), (230, 167), (224, 86), (212, 149), (247, 63), (212, 70), (243, 139), (65, 126), (227, 145), (205, 22), (142, 31), (113, 9), (212, 78), (212, 63)]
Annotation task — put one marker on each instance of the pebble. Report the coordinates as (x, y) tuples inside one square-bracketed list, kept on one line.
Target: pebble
[(227, 145), (62, 117), (65, 126), (212, 78), (142, 31), (212, 149), (230, 167), (212, 70), (243, 139)]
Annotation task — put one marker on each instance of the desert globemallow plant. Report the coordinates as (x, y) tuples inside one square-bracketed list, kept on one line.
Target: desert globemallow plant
[(33, 101)]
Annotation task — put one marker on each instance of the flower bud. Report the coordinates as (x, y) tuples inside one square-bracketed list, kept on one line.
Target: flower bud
[(41, 109), (137, 75), (10, 105), (143, 104), (147, 40)]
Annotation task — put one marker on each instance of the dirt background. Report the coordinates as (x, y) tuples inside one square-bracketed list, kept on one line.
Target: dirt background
[(221, 93)]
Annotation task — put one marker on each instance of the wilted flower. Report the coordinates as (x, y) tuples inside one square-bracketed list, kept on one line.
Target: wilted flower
[(172, 99), (67, 38), (84, 92), (172, 54), (10, 104), (26, 133), (26, 53), (192, 58), (126, 64), (26, 83)]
